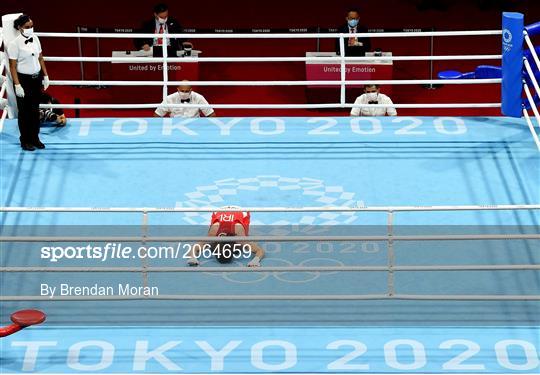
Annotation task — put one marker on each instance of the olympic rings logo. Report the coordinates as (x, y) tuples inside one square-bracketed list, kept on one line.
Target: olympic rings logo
[(286, 277), (507, 36), (317, 192)]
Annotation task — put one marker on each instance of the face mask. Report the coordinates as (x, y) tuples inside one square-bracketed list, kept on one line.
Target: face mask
[(353, 23), (185, 95), (28, 32), (371, 96), (162, 20)]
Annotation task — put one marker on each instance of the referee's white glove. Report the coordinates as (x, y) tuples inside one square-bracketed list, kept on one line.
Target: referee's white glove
[(19, 91), (255, 262), (193, 262), (46, 82)]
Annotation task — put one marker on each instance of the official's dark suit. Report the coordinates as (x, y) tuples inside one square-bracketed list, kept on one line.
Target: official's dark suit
[(173, 27), (354, 50)]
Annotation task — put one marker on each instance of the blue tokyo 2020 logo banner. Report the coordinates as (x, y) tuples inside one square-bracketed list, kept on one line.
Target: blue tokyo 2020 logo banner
[(279, 349)]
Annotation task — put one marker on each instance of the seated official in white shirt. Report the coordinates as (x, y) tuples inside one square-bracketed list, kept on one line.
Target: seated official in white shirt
[(372, 95), (184, 95)]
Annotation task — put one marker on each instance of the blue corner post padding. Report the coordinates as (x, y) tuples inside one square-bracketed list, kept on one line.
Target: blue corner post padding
[(533, 29), (487, 71), (512, 63), (454, 74), (450, 74)]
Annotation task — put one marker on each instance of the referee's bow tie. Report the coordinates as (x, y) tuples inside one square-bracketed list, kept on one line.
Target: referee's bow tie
[(185, 100), (29, 40)]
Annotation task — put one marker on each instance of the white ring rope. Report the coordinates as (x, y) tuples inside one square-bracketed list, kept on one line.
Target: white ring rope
[(342, 71), (530, 72), (343, 82), (270, 59), (207, 239), (165, 70), (281, 83), (531, 128), (390, 237), (498, 267), (165, 60), (3, 89), (390, 268), (273, 106), (512, 207), (533, 79), (277, 209), (273, 35), (291, 83), (3, 118), (532, 49), (536, 114), (281, 297)]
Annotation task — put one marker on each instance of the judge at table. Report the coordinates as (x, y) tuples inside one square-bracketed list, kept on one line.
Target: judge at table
[(160, 24), (354, 46), (184, 95)]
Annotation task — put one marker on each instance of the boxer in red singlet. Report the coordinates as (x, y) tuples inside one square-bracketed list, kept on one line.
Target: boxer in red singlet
[(230, 224), (227, 221)]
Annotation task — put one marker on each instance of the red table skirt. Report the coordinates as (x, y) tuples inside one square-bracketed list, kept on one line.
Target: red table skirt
[(332, 72), (148, 72)]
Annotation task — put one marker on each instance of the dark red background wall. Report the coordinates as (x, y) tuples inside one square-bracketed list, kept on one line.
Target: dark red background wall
[(452, 14), (63, 16)]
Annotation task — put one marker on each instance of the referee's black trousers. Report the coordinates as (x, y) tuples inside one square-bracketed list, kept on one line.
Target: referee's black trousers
[(28, 117)]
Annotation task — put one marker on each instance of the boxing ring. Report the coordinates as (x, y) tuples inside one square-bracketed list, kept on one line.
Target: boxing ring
[(401, 245)]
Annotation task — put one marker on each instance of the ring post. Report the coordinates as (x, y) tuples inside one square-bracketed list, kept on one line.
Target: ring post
[(343, 74), (164, 45), (533, 28), (512, 63)]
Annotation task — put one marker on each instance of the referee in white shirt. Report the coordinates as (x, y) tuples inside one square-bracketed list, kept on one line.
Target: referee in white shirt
[(372, 95), (29, 73), (184, 95)]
